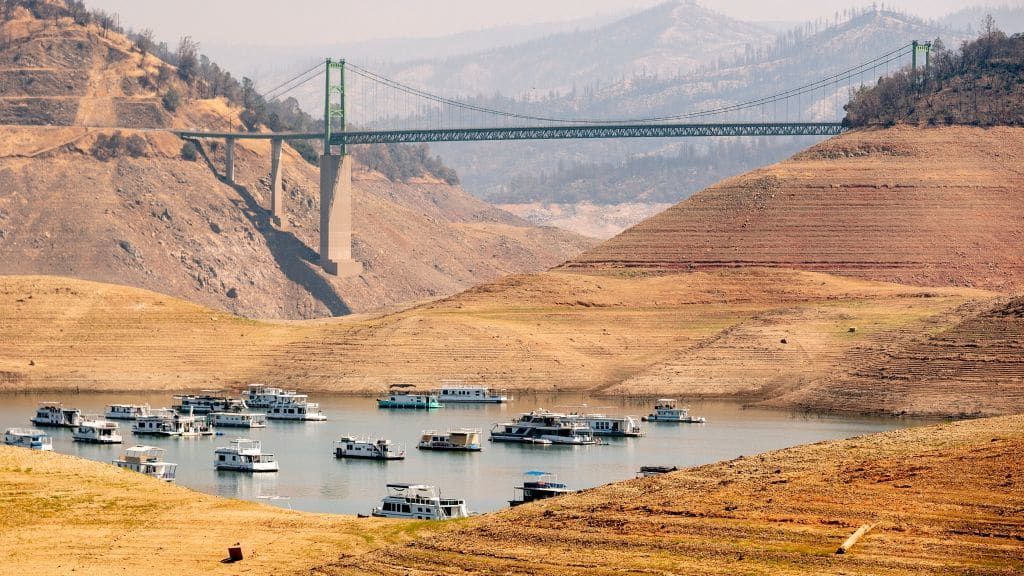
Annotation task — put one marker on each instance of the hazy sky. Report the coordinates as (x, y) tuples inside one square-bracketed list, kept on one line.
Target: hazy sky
[(343, 21)]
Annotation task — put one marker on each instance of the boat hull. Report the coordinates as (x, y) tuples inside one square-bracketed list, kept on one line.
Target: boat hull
[(255, 468), (469, 448), (117, 440), (408, 405), (352, 456)]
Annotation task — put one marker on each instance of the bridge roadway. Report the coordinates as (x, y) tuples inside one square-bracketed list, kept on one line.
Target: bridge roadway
[(573, 131)]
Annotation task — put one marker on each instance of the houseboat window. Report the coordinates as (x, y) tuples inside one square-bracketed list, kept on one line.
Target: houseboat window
[(406, 509), (221, 457)]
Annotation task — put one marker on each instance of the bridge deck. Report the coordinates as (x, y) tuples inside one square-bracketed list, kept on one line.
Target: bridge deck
[(589, 131)]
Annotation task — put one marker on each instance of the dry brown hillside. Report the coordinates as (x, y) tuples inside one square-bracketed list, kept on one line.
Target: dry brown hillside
[(924, 206), (752, 334), (148, 218), (942, 499)]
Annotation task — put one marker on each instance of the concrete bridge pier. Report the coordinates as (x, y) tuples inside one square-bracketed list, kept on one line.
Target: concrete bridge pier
[(229, 168), (336, 216), (276, 193)]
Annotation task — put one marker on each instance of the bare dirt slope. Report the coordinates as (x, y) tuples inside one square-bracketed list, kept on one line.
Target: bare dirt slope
[(925, 206), (66, 515), (755, 334), (154, 220), (943, 500)]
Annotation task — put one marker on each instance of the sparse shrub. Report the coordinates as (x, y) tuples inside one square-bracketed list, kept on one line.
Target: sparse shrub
[(171, 100), (114, 145), (136, 146), (189, 151)]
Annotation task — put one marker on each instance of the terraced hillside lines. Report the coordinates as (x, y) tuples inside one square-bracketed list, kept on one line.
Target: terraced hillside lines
[(943, 500), (923, 206), (70, 335), (66, 515), (698, 334), (972, 364), (618, 334)]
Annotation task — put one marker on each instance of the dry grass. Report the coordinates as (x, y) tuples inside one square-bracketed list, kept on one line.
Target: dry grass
[(63, 515)]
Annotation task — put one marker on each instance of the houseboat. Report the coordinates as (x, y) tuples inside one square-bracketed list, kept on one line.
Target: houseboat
[(147, 460), (262, 396), (126, 411), (97, 432), (207, 402), (604, 425), (538, 485), (666, 410), (55, 414), (28, 438), (420, 502), (409, 400), (463, 439), (238, 420), (170, 423), (457, 393), (292, 406), (244, 455), (379, 449), (543, 427)]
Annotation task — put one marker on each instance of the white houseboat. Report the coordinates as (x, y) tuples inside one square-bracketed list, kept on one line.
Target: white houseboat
[(55, 414), (420, 502), (263, 396), (292, 406), (459, 393), (604, 425), (28, 438), (666, 410), (238, 420), (147, 460), (97, 432), (170, 423), (379, 449), (244, 455), (463, 439), (126, 411), (409, 400), (538, 485), (207, 402), (543, 427)]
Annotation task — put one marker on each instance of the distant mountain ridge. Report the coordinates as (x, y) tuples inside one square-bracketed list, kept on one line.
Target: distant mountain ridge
[(670, 38)]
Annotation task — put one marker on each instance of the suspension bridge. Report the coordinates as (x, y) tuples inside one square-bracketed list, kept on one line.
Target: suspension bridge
[(362, 107)]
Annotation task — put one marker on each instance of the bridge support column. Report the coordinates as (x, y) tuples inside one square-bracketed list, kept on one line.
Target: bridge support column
[(276, 193), (336, 216), (229, 168)]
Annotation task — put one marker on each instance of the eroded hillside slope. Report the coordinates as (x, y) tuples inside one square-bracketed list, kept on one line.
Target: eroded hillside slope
[(924, 206), (140, 214)]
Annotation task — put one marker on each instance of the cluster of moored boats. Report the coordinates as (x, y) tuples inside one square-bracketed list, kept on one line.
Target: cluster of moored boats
[(201, 414)]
